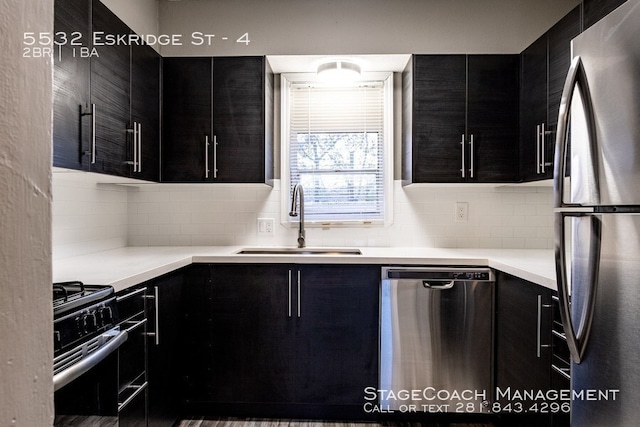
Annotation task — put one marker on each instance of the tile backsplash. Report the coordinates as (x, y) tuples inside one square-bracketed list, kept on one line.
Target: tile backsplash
[(89, 217)]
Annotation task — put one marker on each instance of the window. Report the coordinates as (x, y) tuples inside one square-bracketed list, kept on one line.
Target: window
[(337, 143)]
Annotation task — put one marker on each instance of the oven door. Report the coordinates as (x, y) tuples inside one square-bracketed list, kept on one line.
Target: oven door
[(86, 378)]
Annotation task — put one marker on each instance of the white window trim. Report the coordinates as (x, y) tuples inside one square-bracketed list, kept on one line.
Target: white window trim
[(286, 80)]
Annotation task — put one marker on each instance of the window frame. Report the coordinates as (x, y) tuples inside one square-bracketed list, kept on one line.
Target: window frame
[(289, 79)]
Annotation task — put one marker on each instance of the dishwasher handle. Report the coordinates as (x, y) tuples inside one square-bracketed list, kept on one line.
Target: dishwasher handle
[(438, 284)]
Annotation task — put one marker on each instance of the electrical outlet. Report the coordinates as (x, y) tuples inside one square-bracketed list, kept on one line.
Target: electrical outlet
[(462, 211), (266, 226)]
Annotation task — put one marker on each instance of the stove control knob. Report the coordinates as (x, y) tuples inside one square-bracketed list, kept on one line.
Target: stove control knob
[(105, 316), (89, 322)]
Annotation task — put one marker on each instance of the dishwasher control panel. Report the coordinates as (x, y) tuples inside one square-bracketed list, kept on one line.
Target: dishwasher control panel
[(439, 273)]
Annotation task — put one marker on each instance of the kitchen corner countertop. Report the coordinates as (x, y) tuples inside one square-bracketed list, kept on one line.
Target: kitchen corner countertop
[(125, 267)]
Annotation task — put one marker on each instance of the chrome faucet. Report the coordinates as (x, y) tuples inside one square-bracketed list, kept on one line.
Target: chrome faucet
[(298, 192)]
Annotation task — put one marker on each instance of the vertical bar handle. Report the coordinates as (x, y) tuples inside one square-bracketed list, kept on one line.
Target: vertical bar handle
[(289, 299), (156, 301), (215, 156), (135, 147), (139, 147), (539, 345), (299, 314), (93, 134), (471, 154), (463, 159), (206, 156), (543, 147), (538, 149)]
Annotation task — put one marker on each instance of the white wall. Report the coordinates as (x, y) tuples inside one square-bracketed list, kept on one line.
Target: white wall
[(87, 216), (303, 27), (142, 16), (26, 342), (501, 217)]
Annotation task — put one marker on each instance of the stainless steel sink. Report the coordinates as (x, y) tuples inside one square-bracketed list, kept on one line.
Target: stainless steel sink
[(299, 251)]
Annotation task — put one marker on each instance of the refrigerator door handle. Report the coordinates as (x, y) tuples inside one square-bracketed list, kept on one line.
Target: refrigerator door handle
[(575, 77), (577, 339)]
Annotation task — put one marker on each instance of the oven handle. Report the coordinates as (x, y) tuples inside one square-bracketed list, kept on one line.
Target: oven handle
[(65, 377)]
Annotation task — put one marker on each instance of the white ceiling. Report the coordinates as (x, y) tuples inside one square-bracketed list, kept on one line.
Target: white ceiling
[(309, 63)]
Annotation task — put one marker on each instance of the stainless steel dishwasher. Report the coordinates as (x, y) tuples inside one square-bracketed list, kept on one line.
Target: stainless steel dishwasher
[(436, 339)]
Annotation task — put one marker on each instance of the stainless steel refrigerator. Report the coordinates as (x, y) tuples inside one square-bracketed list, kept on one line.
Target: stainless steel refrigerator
[(597, 220)]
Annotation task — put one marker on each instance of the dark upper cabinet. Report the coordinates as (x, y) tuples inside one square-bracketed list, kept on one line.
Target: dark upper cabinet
[(100, 92), (460, 118), (144, 122), (187, 116), (217, 120), (492, 118), (594, 10), (544, 67), (71, 96), (110, 92)]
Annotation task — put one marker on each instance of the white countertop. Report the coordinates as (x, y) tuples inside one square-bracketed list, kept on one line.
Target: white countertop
[(125, 267)]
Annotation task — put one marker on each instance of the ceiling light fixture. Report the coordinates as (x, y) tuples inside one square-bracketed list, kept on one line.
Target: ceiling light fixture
[(338, 70)]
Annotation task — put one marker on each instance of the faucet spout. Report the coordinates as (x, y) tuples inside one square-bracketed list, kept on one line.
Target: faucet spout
[(298, 194)]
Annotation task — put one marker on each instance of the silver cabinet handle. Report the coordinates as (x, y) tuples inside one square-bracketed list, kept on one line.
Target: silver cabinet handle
[(130, 294), (206, 156), (156, 302), (538, 149), (215, 156), (539, 345), (471, 154), (135, 147), (289, 299), (299, 314), (139, 389), (463, 162), (139, 147), (543, 143), (93, 134)]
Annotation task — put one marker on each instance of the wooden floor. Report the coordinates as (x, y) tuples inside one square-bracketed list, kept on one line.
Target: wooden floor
[(232, 422)]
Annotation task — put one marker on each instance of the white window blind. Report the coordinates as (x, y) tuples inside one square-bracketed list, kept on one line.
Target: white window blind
[(336, 151)]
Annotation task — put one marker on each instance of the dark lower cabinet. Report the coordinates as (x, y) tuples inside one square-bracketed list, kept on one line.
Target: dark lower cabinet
[(280, 340), (524, 351), (164, 311)]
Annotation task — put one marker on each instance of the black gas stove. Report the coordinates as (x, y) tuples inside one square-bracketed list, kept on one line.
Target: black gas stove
[(85, 330)]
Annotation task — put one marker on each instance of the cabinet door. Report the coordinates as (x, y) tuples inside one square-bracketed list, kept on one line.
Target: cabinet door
[(240, 337), (492, 118), (337, 334), (187, 153), (439, 109), (164, 313), (594, 10), (523, 338), (110, 78), (71, 130), (145, 110), (239, 119), (533, 108)]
